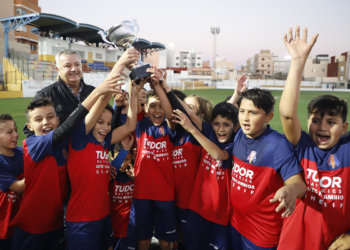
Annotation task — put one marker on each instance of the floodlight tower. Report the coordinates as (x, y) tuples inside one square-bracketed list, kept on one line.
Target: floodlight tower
[(215, 31)]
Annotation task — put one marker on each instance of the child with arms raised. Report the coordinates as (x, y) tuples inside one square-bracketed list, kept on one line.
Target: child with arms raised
[(321, 219)]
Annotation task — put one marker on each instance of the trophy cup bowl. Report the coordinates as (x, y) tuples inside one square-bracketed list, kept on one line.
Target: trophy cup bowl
[(123, 36)]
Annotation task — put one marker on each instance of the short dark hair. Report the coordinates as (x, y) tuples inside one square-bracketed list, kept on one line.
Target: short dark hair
[(5, 118), (226, 110), (228, 98), (261, 98), (110, 108), (330, 104), (37, 104), (151, 93), (179, 94)]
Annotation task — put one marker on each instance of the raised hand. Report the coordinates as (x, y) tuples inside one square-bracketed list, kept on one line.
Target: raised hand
[(111, 85), (157, 75), (127, 142), (298, 48), (240, 84), (137, 87), (183, 120), (129, 58), (119, 99)]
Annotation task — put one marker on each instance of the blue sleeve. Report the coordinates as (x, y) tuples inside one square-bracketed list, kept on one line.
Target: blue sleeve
[(40, 146), (207, 129), (79, 137), (348, 231), (303, 143), (285, 160), (6, 178), (119, 159), (108, 138), (228, 163)]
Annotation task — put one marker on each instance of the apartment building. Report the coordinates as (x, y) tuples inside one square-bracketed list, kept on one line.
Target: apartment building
[(316, 67), (263, 63), (339, 66)]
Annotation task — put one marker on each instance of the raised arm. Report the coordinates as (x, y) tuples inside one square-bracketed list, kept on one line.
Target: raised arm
[(155, 80), (240, 87), (208, 145), (299, 50), (131, 120)]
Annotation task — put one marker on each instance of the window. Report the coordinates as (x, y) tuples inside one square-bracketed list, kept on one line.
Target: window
[(282, 63), (177, 58), (268, 72), (322, 70), (185, 64), (185, 57), (193, 58), (33, 47), (99, 56), (21, 11), (342, 70), (118, 57), (262, 65), (342, 84), (341, 78), (21, 28), (82, 54), (189, 64), (193, 64), (268, 59), (198, 64), (282, 69), (276, 64), (177, 64), (262, 59), (313, 70), (268, 65), (198, 58)]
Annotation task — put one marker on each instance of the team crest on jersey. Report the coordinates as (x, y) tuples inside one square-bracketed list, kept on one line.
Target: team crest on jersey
[(161, 131), (64, 153), (333, 161), (182, 141), (252, 157)]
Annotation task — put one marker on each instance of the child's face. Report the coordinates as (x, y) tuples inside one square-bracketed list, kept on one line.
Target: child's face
[(42, 120), (126, 163), (8, 135), (192, 104), (325, 132), (103, 126), (155, 111), (223, 129), (253, 120)]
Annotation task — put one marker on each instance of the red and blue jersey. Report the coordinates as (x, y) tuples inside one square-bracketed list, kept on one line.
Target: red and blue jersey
[(120, 194), (46, 181), (323, 213), (210, 194), (154, 178), (186, 155), (260, 167), (11, 170), (89, 173)]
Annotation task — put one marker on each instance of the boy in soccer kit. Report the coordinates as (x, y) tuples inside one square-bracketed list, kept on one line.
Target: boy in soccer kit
[(321, 219), (39, 220), (262, 161), (120, 195), (154, 190), (207, 222), (11, 178)]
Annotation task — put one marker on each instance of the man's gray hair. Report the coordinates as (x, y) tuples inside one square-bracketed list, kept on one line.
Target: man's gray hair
[(66, 52)]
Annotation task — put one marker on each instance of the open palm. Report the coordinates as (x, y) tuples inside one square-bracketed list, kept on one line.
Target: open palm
[(298, 48)]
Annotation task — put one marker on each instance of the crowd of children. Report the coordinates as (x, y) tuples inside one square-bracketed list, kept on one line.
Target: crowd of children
[(194, 176)]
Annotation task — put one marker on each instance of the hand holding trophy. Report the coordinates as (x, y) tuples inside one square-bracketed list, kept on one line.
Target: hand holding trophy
[(122, 36)]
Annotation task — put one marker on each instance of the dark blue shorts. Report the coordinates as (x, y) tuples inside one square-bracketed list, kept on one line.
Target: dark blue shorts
[(6, 244), (94, 235), (157, 215), (205, 235), (182, 215), (124, 243), (239, 242), (53, 240)]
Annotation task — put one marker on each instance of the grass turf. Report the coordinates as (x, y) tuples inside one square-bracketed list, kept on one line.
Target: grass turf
[(16, 106)]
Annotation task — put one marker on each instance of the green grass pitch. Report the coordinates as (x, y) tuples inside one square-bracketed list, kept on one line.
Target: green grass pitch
[(16, 106)]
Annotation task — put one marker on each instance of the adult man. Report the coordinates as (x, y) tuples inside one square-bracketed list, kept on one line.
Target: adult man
[(70, 89)]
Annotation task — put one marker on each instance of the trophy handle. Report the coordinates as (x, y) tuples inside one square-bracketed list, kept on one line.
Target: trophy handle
[(137, 29), (104, 38)]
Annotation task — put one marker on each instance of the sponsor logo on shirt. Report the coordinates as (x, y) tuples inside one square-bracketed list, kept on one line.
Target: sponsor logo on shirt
[(102, 162), (333, 161), (156, 150), (214, 166), (325, 190), (161, 131), (181, 140), (252, 157), (178, 159), (242, 179), (123, 193)]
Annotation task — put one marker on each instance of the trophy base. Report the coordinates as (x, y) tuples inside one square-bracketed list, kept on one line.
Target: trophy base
[(138, 73)]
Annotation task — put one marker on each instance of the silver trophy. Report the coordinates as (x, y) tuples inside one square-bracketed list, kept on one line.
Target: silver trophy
[(122, 36)]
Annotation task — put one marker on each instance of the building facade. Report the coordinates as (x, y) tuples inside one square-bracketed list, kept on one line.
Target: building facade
[(316, 67), (263, 63)]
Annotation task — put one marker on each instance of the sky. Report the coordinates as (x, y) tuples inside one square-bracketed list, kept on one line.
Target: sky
[(246, 26)]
